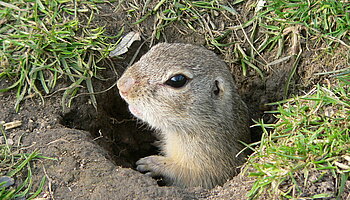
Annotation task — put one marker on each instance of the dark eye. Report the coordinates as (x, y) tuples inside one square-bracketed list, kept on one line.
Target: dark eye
[(177, 81)]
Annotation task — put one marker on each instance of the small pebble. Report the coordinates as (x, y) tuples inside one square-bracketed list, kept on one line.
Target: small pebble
[(10, 142)]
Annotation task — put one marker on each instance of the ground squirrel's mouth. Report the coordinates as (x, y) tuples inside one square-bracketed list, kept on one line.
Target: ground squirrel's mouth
[(136, 112), (122, 95)]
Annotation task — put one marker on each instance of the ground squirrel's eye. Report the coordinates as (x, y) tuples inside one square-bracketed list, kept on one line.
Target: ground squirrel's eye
[(177, 81)]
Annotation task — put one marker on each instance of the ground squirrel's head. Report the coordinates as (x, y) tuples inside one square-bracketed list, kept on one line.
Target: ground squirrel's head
[(178, 86)]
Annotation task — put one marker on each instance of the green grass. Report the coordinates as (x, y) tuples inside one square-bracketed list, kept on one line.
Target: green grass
[(311, 136), (17, 166), (190, 14), (322, 20), (44, 41), (281, 25)]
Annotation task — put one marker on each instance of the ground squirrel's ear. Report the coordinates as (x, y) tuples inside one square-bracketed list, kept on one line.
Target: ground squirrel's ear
[(219, 86)]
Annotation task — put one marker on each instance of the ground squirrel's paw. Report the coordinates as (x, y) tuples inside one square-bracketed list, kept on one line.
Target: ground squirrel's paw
[(152, 165)]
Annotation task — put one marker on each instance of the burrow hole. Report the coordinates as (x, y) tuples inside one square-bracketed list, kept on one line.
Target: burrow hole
[(113, 127)]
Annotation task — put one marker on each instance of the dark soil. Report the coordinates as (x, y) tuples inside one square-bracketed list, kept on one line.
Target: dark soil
[(96, 149)]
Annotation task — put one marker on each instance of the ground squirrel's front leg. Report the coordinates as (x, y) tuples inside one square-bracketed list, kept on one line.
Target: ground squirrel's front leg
[(157, 166)]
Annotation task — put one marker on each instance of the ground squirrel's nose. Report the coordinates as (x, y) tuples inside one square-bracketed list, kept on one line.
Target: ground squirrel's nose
[(125, 84)]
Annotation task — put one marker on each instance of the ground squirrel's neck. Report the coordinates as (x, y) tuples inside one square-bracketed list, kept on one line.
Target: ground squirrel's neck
[(201, 147)]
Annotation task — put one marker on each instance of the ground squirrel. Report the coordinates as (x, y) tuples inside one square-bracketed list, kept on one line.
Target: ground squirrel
[(187, 94)]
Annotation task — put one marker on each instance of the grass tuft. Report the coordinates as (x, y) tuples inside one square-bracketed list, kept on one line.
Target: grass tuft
[(194, 15), (16, 168), (309, 143), (323, 21), (43, 41)]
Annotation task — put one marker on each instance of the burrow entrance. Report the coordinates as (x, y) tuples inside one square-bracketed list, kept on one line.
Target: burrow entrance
[(127, 140), (113, 128), (111, 125)]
